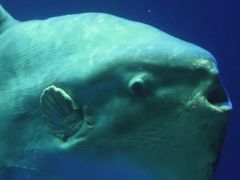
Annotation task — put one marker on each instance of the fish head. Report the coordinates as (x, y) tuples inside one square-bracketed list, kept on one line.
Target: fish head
[(167, 85), (162, 104)]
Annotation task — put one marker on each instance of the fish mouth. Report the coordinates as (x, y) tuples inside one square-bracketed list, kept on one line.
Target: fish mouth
[(217, 96)]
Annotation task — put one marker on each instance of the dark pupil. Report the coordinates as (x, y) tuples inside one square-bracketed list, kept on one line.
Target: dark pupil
[(137, 87)]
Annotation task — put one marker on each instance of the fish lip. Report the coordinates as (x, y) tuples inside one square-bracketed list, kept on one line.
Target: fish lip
[(225, 106), (221, 107)]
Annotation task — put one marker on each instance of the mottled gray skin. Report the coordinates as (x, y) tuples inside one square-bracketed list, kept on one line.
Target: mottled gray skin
[(173, 125)]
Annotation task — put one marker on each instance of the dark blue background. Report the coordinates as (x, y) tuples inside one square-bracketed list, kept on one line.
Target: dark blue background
[(212, 24)]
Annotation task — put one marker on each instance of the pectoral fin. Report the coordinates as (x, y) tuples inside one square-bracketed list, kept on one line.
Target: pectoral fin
[(61, 112)]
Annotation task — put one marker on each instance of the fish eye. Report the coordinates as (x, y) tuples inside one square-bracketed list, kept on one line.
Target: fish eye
[(137, 86)]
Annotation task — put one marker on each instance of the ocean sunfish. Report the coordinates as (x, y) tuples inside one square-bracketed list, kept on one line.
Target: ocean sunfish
[(95, 85)]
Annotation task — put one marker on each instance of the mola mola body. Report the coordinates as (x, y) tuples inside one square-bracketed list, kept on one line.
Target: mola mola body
[(94, 84)]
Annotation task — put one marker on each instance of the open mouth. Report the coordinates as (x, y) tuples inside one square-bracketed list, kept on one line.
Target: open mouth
[(217, 96)]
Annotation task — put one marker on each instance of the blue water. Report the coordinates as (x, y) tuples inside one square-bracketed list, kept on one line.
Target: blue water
[(212, 24)]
